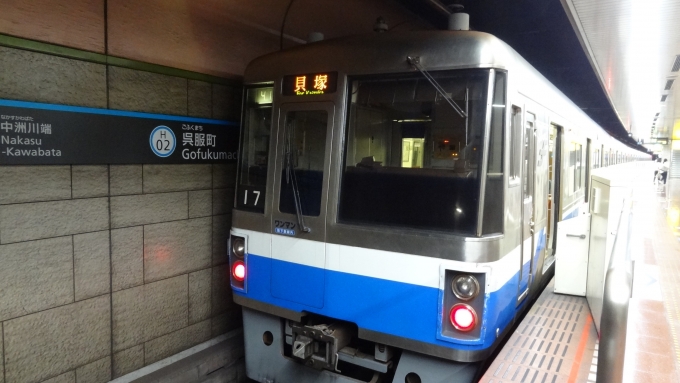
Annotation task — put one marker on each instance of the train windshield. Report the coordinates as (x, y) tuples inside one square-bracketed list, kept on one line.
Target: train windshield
[(412, 160)]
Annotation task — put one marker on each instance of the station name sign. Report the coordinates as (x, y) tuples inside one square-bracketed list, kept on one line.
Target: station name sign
[(49, 134), (310, 84)]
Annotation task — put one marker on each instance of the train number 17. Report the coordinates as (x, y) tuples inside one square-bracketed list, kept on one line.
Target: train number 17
[(245, 197)]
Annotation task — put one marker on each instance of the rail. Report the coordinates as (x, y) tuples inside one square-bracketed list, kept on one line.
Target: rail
[(618, 286)]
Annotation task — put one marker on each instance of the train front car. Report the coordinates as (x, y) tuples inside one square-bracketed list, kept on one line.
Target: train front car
[(372, 239)]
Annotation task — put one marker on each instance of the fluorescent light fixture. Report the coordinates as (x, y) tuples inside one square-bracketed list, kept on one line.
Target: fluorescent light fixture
[(676, 64), (669, 84)]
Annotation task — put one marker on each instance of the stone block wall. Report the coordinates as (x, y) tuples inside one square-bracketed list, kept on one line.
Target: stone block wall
[(108, 268)]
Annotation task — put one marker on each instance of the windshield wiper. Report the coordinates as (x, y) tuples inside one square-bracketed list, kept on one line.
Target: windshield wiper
[(415, 62), (291, 178)]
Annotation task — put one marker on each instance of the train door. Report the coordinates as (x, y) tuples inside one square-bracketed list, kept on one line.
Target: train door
[(412, 152), (300, 202), (555, 167), (528, 185)]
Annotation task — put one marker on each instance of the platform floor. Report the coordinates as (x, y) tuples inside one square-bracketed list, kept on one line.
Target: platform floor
[(555, 343), (652, 344), (653, 338)]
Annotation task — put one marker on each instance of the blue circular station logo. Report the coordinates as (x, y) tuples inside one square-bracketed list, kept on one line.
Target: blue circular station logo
[(162, 141)]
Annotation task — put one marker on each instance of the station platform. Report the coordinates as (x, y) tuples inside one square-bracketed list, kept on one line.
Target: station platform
[(557, 340), (555, 343), (653, 340)]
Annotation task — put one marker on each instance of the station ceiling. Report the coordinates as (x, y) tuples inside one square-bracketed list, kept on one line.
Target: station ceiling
[(613, 58), (634, 46), (541, 31)]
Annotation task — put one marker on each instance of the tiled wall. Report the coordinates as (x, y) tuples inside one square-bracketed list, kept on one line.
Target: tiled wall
[(217, 37), (107, 268)]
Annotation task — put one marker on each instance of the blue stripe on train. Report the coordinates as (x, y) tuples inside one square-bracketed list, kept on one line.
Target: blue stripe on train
[(530, 268), (395, 308), (539, 250)]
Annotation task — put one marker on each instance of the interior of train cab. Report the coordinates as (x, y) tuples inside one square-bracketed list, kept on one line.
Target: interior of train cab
[(405, 141)]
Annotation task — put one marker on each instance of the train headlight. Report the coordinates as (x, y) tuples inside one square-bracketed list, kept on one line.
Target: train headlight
[(465, 287), (238, 246), (463, 317)]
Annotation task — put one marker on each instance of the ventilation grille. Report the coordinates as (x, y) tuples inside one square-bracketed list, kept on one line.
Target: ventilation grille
[(669, 84), (676, 64), (663, 98)]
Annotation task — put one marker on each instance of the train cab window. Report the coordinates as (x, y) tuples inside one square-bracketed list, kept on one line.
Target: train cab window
[(493, 218), (254, 151), (303, 164), (410, 158)]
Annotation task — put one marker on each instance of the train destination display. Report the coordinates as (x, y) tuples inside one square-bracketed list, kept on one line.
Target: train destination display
[(310, 84), (37, 134)]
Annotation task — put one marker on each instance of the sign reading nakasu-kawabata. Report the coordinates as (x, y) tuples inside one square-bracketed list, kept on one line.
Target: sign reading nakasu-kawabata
[(39, 134)]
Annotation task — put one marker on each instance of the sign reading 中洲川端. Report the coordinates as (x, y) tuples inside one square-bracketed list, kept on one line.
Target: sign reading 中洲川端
[(38, 134)]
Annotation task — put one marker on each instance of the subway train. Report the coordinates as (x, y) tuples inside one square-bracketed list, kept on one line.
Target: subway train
[(396, 203)]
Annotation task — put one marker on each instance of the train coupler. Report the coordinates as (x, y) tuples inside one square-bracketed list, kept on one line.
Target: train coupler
[(318, 345)]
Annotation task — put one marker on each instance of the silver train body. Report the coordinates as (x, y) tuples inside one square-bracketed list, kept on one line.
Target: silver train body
[(396, 202)]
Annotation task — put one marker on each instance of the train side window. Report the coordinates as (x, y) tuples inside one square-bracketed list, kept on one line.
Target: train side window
[(576, 167), (588, 167), (515, 145), (527, 167)]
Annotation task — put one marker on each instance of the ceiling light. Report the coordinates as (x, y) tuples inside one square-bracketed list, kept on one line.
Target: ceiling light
[(676, 64), (669, 84)]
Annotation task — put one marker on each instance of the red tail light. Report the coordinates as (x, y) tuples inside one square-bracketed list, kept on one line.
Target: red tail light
[(238, 270), (463, 317)]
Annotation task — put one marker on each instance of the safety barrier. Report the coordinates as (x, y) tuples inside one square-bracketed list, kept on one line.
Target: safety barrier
[(618, 287)]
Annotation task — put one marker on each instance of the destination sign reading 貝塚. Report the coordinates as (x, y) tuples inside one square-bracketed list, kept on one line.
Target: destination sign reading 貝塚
[(37, 134), (310, 84)]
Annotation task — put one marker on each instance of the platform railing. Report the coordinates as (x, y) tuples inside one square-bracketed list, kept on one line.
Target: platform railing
[(618, 287)]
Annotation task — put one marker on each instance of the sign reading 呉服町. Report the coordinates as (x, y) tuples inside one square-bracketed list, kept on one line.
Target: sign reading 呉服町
[(38, 134)]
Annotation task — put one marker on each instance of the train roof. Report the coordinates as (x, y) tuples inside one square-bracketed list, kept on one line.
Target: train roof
[(385, 53)]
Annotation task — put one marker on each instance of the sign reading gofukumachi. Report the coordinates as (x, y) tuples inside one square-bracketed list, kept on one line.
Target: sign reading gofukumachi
[(36, 133)]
